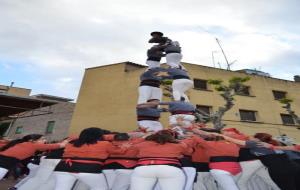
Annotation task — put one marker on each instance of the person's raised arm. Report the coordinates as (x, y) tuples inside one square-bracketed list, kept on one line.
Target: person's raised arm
[(235, 141), (293, 148)]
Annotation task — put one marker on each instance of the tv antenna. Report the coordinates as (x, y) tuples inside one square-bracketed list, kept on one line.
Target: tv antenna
[(228, 64)]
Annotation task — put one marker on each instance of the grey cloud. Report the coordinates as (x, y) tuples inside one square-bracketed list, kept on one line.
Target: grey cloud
[(52, 37)]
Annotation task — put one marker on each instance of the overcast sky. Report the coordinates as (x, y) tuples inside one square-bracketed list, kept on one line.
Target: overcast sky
[(45, 45)]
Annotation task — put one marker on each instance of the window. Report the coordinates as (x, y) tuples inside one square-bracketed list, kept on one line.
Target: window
[(50, 127), (279, 94), (19, 130), (204, 109), (247, 115), (244, 91), (3, 128), (287, 119), (200, 84)]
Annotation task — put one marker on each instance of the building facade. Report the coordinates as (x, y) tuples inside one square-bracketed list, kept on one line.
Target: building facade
[(14, 90), (108, 96), (52, 121), (40, 114)]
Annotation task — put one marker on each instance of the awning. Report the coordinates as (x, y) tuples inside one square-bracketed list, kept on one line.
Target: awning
[(12, 104)]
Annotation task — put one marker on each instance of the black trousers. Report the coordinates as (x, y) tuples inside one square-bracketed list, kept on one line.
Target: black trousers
[(282, 171), (8, 162)]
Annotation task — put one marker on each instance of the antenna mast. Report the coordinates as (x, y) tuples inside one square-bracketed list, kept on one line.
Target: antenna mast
[(228, 64)]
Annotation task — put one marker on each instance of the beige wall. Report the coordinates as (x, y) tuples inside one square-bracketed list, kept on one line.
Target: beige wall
[(107, 99), (108, 96), (15, 90)]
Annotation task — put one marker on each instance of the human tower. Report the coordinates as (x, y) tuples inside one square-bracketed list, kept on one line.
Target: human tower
[(150, 92)]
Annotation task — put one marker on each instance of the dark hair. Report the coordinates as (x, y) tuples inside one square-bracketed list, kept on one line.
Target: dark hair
[(210, 130), (27, 138), (157, 33), (105, 132), (121, 137), (214, 138), (89, 136), (267, 138), (264, 137), (162, 137)]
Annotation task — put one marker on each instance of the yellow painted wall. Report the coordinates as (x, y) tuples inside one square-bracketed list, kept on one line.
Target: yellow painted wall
[(15, 90), (108, 97)]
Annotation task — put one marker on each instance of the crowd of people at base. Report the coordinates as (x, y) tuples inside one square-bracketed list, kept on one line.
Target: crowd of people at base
[(201, 159)]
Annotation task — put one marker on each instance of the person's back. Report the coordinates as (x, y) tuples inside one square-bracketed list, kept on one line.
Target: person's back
[(177, 73), (27, 149), (159, 161), (167, 150), (176, 106), (98, 150), (83, 159), (173, 47), (150, 74)]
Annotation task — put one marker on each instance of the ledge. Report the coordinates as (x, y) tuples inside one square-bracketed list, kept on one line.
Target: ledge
[(291, 125), (248, 121), (251, 96), (203, 89)]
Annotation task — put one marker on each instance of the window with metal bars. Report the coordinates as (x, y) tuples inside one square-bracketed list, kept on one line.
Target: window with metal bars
[(287, 119), (279, 94), (247, 115), (200, 84)]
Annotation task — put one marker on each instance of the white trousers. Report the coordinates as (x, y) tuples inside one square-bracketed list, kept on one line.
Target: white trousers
[(205, 182), (65, 180), (252, 168), (180, 86), (187, 119), (224, 179), (256, 183), (110, 176), (152, 64), (33, 168), (190, 174), (3, 172), (42, 177), (263, 173), (173, 59), (149, 92), (168, 177), (149, 125), (122, 180), (79, 185)]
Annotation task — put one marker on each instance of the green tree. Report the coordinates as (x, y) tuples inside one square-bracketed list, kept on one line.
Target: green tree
[(227, 91)]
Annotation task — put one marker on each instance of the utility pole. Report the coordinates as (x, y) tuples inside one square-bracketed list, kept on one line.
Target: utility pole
[(228, 65)]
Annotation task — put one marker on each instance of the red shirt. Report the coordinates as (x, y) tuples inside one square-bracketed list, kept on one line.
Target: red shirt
[(27, 149), (221, 148), (199, 155), (238, 136), (99, 150), (3, 143), (297, 147), (218, 148), (168, 150), (130, 152)]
